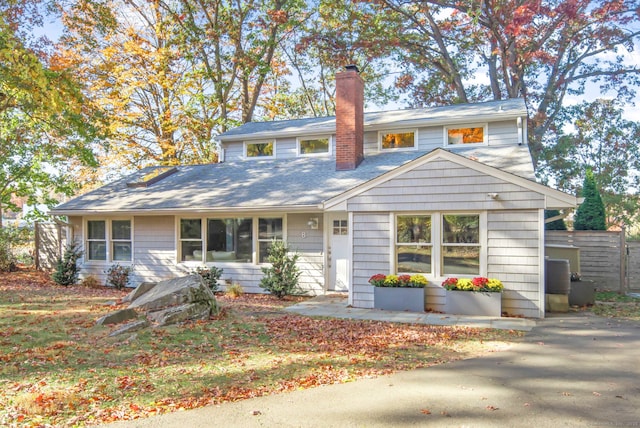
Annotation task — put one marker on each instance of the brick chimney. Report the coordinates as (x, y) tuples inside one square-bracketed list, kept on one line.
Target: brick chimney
[(349, 119)]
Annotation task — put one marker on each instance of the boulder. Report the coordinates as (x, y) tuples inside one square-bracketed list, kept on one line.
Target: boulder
[(118, 317), (128, 328), (178, 314), (139, 291), (175, 292)]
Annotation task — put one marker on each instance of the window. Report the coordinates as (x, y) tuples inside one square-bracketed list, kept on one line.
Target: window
[(413, 244), (121, 240), (109, 240), (466, 135), (397, 140), (191, 239), (229, 239), (460, 244), (313, 146), (340, 227), (269, 229), (97, 240), (259, 149)]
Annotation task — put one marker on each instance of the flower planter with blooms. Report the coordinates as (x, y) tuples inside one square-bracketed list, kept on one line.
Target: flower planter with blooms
[(477, 296), (399, 292)]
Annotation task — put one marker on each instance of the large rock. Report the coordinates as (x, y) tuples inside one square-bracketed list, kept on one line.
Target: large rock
[(130, 327), (178, 314), (118, 317), (179, 294), (139, 291)]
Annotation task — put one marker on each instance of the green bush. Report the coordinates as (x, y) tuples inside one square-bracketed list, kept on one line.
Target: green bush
[(67, 269), (590, 215), (210, 276), (118, 276), (281, 278), (11, 239)]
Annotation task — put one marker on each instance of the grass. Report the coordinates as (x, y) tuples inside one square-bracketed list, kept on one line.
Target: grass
[(59, 368), (614, 305)]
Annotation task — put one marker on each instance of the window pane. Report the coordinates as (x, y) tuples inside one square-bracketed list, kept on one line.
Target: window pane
[(398, 140), (340, 227), (318, 145), (460, 260), (264, 251), (190, 229), (270, 228), (461, 229), (259, 149), (229, 239), (414, 229), (122, 251), (413, 259), (466, 135), (121, 229), (97, 229), (97, 250), (192, 251)]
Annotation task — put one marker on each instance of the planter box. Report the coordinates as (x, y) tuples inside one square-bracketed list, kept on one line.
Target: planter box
[(399, 298), (582, 293), (470, 303)]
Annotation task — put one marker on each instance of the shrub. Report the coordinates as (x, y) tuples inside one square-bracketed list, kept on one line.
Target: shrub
[(210, 276), (281, 278), (590, 215), (67, 269), (11, 238), (118, 276), (234, 290), (90, 282)]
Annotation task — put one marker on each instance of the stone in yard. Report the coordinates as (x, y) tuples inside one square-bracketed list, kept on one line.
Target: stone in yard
[(175, 292), (178, 314), (139, 291), (130, 327), (118, 317)]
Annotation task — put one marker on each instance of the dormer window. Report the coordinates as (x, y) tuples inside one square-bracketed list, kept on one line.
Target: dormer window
[(314, 146), (259, 149), (462, 135), (397, 140)]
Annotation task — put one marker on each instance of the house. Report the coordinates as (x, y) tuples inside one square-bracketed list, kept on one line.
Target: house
[(446, 191)]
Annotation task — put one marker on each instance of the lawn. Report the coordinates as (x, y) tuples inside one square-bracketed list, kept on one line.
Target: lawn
[(613, 304), (59, 368)]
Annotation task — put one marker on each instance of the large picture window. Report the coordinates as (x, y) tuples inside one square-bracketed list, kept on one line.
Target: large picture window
[(109, 240), (229, 239), (397, 140), (413, 244), (460, 244)]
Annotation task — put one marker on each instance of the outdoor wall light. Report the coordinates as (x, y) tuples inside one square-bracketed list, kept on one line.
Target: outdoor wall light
[(313, 223), (492, 195)]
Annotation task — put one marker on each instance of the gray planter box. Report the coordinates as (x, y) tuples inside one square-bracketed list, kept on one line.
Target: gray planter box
[(582, 293), (471, 303), (399, 299)]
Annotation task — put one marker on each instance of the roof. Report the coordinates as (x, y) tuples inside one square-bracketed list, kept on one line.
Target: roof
[(373, 121), (302, 183)]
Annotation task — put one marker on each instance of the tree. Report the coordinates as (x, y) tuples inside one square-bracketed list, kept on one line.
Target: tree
[(590, 214), (541, 50), (45, 122), (596, 136), (281, 278), (557, 224)]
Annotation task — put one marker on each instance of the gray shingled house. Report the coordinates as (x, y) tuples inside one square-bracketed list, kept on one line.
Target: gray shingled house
[(446, 191)]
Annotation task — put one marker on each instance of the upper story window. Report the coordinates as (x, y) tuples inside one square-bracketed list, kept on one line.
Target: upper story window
[(471, 134), (260, 149), (314, 146), (397, 140)]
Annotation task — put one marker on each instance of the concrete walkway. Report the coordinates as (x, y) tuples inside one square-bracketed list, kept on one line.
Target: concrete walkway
[(572, 370)]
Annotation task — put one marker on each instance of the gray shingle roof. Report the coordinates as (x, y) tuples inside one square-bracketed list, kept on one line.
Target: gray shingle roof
[(373, 121), (270, 184)]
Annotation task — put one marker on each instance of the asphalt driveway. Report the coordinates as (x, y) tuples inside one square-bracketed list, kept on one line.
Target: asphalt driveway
[(570, 370)]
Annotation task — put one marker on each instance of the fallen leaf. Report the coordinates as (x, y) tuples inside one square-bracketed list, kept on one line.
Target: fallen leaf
[(425, 411), (597, 394), (491, 408)]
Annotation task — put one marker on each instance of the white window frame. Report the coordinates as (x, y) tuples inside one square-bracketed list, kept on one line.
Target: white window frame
[(247, 143), (108, 240), (436, 274), (314, 137), (397, 244), (255, 241), (485, 134), (398, 131)]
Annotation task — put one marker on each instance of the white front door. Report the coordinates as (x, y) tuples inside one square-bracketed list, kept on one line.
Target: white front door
[(338, 253)]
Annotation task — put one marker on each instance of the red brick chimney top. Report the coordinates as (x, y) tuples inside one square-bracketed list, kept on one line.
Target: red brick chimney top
[(349, 119)]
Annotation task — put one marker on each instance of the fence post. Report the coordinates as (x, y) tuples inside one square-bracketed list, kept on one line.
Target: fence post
[(623, 261), (36, 253)]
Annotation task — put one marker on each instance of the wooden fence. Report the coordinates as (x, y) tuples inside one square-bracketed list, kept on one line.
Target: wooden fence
[(50, 240), (633, 266), (603, 256)]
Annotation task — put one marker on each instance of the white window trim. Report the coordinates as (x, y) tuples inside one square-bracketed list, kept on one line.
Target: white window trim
[(255, 259), (246, 143), (314, 137), (108, 240), (398, 131), (436, 275), (485, 136)]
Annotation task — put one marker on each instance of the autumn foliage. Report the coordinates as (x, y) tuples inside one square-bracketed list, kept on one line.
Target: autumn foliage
[(59, 368)]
